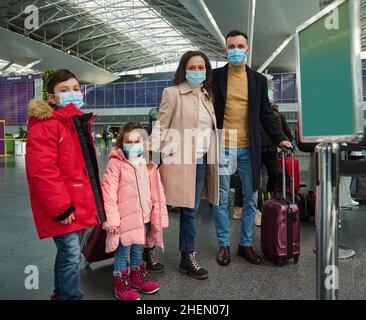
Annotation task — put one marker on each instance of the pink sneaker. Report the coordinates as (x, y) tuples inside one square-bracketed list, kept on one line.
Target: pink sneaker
[(122, 286), (140, 282)]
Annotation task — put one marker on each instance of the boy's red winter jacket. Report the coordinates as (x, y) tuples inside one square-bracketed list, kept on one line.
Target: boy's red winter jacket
[(62, 169)]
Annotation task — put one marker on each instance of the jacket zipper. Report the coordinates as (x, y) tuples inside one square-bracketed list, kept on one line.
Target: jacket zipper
[(157, 186), (84, 169), (142, 210), (92, 144)]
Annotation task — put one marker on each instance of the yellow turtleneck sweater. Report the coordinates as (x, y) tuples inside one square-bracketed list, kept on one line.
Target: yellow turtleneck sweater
[(237, 108)]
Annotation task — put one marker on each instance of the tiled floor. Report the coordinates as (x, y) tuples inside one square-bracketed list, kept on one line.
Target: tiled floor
[(20, 247)]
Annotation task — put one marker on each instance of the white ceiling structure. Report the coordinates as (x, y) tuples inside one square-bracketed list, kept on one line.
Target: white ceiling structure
[(101, 39), (113, 35), (25, 53)]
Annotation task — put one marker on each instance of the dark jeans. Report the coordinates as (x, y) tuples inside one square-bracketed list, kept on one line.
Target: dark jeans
[(67, 266), (188, 216), (269, 160), (238, 200)]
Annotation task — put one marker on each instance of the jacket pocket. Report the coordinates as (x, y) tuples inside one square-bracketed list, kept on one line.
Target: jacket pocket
[(77, 192)]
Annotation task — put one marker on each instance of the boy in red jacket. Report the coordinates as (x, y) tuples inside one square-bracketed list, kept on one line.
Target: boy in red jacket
[(63, 178)]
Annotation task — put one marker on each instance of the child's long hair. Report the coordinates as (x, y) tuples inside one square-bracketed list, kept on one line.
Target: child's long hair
[(128, 127)]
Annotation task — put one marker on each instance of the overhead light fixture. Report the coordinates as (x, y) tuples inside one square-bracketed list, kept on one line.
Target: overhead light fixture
[(29, 66), (6, 67), (363, 55), (275, 54)]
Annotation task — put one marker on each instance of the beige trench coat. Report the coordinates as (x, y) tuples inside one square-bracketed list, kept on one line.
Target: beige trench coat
[(178, 114)]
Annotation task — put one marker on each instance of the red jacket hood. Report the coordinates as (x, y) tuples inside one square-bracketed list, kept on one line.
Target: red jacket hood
[(39, 110)]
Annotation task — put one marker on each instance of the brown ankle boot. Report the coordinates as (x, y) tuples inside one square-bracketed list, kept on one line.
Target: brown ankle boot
[(248, 254), (223, 257)]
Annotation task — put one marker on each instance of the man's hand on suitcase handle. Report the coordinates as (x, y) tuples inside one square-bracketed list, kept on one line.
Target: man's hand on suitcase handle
[(286, 146)]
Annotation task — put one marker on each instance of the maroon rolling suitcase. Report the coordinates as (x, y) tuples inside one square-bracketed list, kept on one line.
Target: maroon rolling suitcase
[(92, 245), (280, 226)]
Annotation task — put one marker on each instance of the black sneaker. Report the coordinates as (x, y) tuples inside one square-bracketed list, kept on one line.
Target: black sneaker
[(189, 265), (152, 263)]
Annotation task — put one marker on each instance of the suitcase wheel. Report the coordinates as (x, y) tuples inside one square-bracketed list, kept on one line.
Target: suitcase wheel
[(280, 261), (296, 259)]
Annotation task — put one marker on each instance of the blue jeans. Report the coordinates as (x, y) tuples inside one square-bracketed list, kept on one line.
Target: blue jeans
[(188, 216), (67, 266), (133, 252), (229, 160)]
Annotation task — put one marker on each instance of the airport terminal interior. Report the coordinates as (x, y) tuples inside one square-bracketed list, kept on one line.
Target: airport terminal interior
[(125, 52)]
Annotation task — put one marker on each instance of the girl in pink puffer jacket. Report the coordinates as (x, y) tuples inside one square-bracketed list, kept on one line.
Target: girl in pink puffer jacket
[(136, 213)]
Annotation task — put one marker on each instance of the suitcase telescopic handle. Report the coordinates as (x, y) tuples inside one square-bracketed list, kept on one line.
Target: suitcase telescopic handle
[(284, 175)]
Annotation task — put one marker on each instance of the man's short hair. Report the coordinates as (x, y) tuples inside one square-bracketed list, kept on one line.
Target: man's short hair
[(235, 33)]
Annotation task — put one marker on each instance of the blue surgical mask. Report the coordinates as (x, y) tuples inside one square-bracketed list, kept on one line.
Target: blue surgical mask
[(74, 97), (236, 56), (132, 150), (195, 78)]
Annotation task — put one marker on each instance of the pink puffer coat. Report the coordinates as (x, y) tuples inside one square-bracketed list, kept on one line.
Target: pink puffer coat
[(133, 197)]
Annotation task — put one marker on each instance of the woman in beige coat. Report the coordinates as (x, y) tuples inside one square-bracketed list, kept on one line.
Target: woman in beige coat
[(186, 135)]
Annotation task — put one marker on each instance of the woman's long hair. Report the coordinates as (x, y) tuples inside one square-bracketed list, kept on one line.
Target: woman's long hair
[(180, 74)]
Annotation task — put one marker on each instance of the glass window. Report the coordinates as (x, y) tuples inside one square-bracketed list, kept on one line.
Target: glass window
[(277, 88), (99, 96), (109, 96), (90, 96), (162, 84), (159, 93), (119, 92), (140, 94), (151, 100), (130, 95), (288, 91)]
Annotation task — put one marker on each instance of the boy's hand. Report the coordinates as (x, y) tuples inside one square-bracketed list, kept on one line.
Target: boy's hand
[(69, 219), (113, 230)]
